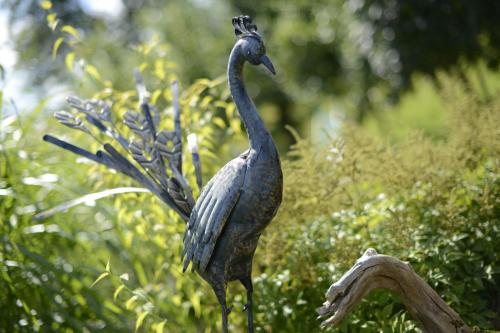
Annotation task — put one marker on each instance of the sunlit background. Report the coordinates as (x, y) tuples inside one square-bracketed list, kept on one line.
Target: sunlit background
[(335, 59)]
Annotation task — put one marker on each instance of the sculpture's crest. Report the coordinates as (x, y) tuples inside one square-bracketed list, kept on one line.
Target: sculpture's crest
[(243, 27)]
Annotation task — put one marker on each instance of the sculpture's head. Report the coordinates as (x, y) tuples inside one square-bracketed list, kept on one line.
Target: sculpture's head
[(251, 42)]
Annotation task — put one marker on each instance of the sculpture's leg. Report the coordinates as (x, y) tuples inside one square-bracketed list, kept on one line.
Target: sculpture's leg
[(247, 282), (220, 292)]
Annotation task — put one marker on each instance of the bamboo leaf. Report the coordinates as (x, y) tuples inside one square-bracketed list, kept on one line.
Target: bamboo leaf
[(46, 5), (70, 59), (159, 70), (220, 104), (155, 95), (219, 122), (140, 320), (218, 80), (52, 21), (130, 302), (71, 31), (102, 276), (51, 18), (56, 46), (111, 306), (160, 327), (143, 66), (86, 198), (92, 71), (195, 302), (118, 291), (141, 274)]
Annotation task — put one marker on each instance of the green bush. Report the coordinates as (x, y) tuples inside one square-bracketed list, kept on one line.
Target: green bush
[(433, 203), (46, 268)]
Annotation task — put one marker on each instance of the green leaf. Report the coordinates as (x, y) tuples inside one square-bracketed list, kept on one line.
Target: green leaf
[(92, 71), (102, 276), (143, 66), (130, 302), (140, 320), (118, 291), (56, 46), (140, 273), (220, 104), (36, 323), (110, 305), (219, 122), (206, 101), (195, 302), (70, 59), (86, 198), (52, 21), (51, 18), (46, 5), (387, 311), (70, 30), (159, 70), (218, 80), (107, 265), (160, 326), (155, 95), (231, 108)]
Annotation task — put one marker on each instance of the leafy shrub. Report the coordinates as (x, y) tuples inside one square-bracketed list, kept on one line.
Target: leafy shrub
[(433, 203)]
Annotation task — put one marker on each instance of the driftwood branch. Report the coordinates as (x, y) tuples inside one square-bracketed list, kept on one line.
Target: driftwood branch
[(373, 271)]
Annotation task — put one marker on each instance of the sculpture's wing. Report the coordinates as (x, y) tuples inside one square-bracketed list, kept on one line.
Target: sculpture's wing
[(211, 212)]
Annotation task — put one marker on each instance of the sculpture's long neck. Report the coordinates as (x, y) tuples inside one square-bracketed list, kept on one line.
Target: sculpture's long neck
[(257, 132)]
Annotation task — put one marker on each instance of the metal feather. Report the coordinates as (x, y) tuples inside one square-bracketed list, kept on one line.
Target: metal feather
[(69, 119)]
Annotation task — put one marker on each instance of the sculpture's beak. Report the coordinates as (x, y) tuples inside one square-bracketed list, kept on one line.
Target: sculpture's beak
[(264, 60)]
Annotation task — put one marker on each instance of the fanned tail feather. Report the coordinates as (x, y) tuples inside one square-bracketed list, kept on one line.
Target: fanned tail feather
[(149, 150)]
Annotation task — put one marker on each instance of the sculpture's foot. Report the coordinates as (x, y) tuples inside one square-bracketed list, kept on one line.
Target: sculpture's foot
[(225, 312), (248, 307)]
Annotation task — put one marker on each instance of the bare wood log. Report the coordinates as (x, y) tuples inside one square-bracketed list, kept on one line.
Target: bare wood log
[(373, 271)]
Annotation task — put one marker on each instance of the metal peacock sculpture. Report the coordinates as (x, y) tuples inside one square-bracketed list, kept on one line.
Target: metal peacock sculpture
[(235, 206)]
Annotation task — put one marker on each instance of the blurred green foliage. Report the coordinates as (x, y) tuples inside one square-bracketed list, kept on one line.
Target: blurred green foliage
[(355, 56), (418, 180)]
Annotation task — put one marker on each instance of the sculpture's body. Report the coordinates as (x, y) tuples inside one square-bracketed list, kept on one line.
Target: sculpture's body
[(225, 224), (243, 197)]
